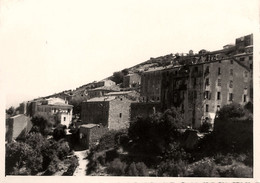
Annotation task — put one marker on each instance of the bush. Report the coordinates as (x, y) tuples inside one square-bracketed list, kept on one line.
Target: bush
[(205, 169), (138, 169), (173, 169), (73, 165), (224, 159), (117, 167), (59, 132), (21, 156), (205, 127), (242, 171)]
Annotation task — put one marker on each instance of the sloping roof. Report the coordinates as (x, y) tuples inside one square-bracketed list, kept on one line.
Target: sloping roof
[(88, 125), (118, 93), (107, 88), (102, 99)]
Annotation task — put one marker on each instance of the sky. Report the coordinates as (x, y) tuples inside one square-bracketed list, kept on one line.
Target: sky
[(54, 45)]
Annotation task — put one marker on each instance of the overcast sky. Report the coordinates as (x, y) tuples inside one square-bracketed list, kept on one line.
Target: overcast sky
[(48, 46)]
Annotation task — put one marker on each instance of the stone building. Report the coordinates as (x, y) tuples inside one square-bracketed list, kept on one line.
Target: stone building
[(17, 127), (52, 108), (101, 91), (131, 80), (151, 86), (112, 112), (200, 84)]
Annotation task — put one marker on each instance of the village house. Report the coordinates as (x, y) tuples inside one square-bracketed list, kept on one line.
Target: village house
[(52, 108), (112, 112)]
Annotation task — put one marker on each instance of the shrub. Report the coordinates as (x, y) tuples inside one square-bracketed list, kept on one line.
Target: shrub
[(224, 159), (173, 169), (205, 169), (175, 152), (53, 167), (242, 171), (137, 169), (117, 167), (59, 132), (20, 155), (205, 127), (73, 165)]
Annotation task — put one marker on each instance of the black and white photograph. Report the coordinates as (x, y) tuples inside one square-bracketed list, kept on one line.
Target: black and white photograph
[(134, 90)]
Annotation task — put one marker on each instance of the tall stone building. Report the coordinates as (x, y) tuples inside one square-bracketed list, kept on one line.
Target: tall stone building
[(198, 85)]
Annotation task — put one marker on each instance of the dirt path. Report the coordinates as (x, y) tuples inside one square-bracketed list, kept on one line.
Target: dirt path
[(81, 169)]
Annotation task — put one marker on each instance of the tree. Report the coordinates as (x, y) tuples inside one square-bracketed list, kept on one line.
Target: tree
[(10, 111), (117, 77), (59, 132), (41, 125), (21, 156), (152, 134)]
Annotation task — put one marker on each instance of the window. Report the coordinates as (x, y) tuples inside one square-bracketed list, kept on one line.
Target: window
[(195, 82), (196, 69), (219, 82), (231, 61), (219, 71), (218, 107), (250, 57), (120, 115), (64, 119), (230, 84), (230, 97), (245, 74), (207, 108), (195, 94), (206, 94), (231, 72), (218, 96), (245, 98), (242, 59), (207, 81), (251, 66), (207, 69)]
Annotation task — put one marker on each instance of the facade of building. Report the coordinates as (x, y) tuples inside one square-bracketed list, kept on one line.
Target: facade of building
[(131, 80), (112, 112), (55, 108), (17, 127), (198, 85)]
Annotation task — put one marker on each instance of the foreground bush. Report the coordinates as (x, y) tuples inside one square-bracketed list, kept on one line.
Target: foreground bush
[(117, 167), (173, 169), (242, 171), (205, 169), (73, 161), (137, 169)]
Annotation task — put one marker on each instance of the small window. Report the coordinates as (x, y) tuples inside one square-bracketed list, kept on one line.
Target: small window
[(218, 95), (245, 98), (250, 57), (219, 71), (206, 94), (195, 82), (242, 59), (196, 69), (218, 107), (246, 74), (231, 72), (207, 108), (207, 69), (251, 66), (230, 97), (64, 119), (231, 61), (120, 115), (207, 81), (219, 82), (230, 84), (195, 94)]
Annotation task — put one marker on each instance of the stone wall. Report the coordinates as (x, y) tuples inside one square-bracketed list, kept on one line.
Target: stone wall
[(95, 112), (144, 109), (119, 113)]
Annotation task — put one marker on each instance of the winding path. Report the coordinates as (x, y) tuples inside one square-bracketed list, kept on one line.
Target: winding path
[(81, 169)]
